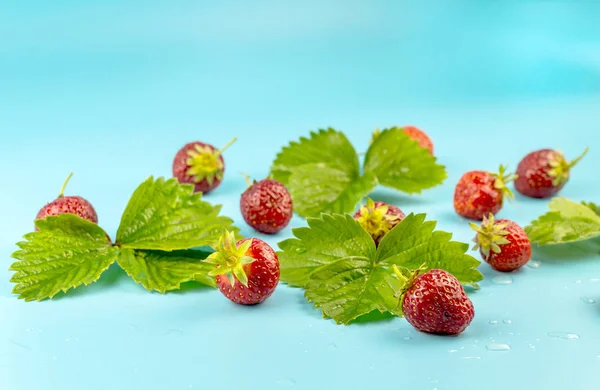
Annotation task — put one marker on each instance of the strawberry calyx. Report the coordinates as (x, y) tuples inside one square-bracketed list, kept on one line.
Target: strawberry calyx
[(375, 219), (205, 163), (407, 277), (502, 179), (560, 167), (490, 236), (230, 259), (64, 186)]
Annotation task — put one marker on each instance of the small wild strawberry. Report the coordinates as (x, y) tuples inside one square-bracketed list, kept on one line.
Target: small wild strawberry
[(378, 218), (479, 193), (416, 134), (544, 172), (69, 205), (200, 164), (267, 206), (502, 243), (436, 302), (247, 272)]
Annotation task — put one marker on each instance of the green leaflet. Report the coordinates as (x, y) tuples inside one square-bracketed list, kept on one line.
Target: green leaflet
[(163, 271), (567, 221), (65, 253), (335, 260), (165, 215), (399, 162), (323, 175)]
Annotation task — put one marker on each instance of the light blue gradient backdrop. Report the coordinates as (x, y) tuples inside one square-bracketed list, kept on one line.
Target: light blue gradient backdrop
[(111, 89)]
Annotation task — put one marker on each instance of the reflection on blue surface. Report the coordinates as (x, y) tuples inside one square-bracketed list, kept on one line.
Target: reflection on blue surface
[(111, 90)]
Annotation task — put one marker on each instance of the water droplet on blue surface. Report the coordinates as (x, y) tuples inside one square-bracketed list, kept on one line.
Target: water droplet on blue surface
[(502, 279), (508, 322), (471, 358), (493, 322), (453, 350), (595, 280), (332, 346), (587, 300), (54, 358), (531, 346), (371, 368), (534, 264), (564, 335), (407, 338), (578, 281), (497, 347)]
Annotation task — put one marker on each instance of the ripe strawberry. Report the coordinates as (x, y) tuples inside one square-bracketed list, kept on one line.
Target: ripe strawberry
[(479, 193), (378, 218), (267, 206), (68, 205), (247, 272), (435, 302), (416, 134), (200, 164), (544, 172), (502, 243)]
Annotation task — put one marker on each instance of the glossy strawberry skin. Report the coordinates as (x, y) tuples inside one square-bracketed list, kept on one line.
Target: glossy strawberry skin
[(437, 303), (69, 205), (513, 255), (475, 195), (263, 276), (419, 136), (392, 211), (534, 174), (180, 168), (267, 206)]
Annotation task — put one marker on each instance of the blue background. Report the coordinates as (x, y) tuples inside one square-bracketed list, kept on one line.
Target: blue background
[(111, 90)]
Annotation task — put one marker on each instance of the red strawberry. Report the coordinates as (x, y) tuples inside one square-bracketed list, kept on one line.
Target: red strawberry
[(378, 218), (435, 302), (200, 164), (502, 243), (544, 172), (247, 271), (267, 206), (414, 133), (479, 193), (68, 205)]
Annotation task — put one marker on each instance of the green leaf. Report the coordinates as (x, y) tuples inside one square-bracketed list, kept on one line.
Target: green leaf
[(352, 287), (593, 206), (165, 215), (65, 253), (322, 174), (567, 221), (164, 271), (414, 243), (317, 188), (335, 260), (326, 239), (329, 147), (399, 162)]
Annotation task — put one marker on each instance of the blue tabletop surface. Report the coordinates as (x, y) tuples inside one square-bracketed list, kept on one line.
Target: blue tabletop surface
[(111, 89)]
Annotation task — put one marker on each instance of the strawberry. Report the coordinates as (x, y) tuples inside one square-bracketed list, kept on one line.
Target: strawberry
[(435, 302), (479, 193), (378, 218), (267, 206), (247, 272), (200, 164), (502, 243), (544, 172), (415, 134), (68, 205)]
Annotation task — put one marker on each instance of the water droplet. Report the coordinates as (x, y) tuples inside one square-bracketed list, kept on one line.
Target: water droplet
[(578, 281), (68, 339), (135, 370), (471, 358), (531, 346), (502, 279), (285, 382), (564, 335), (300, 250), (493, 322), (595, 280), (54, 358), (371, 368), (534, 264), (588, 300), (190, 386), (174, 333), (497, 347), (132, 327), (508, 322), (407, 338), (306, 351), (332, 346), (453, 350)]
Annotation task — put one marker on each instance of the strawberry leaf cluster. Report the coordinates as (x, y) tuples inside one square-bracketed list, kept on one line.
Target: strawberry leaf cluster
[(323, 172)]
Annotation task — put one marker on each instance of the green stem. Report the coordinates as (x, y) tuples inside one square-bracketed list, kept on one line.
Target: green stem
[(64, 186), (575, 161), (226, 146)]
